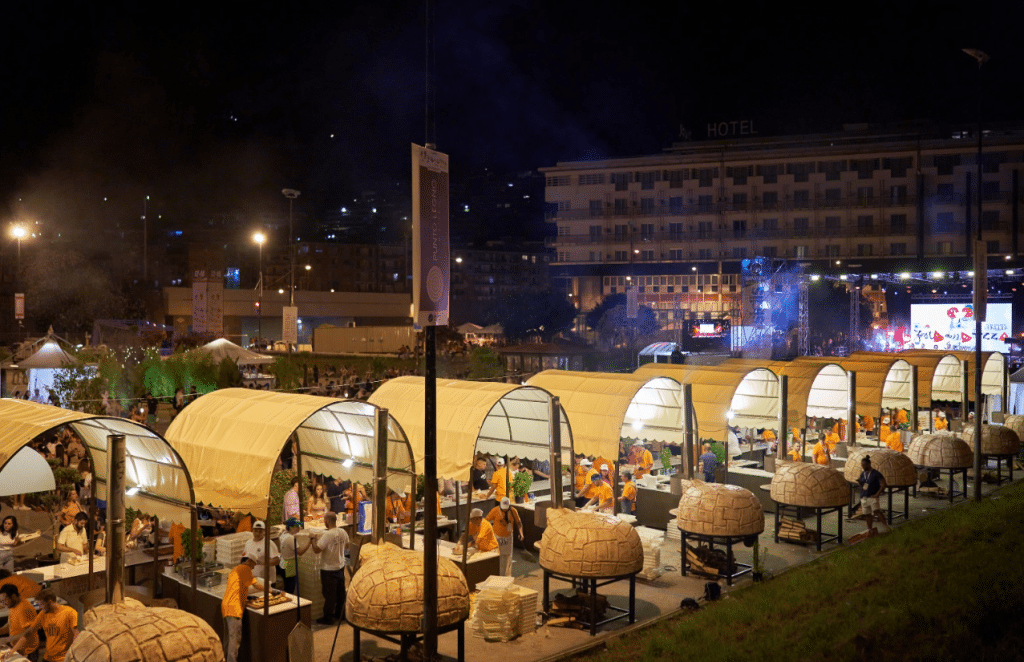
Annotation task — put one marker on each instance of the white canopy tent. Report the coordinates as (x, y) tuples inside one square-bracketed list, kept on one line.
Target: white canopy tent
[(884, 382), (231, 440), (26, 472), (160, 480), (472, 417), (815, 390), (607, 407), (221, 349)]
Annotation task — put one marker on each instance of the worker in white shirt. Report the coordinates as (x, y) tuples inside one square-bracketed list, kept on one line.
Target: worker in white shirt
[(254, 550)]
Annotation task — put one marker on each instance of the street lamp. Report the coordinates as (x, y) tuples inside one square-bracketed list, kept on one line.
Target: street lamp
[(19, 232), (259, 238)]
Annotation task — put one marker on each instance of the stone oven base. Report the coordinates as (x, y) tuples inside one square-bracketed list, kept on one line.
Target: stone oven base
[(590, 585), (407, 639), (783, 509), (728, 541)]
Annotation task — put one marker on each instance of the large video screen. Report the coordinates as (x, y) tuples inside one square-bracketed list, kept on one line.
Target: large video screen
[(951, 326)]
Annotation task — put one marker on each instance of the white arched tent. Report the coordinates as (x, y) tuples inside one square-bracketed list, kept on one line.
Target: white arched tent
[(725, 396), (882, 383), (156, 476), (994, 376), (607, 407), (486, 417), (231, 439), (818, 390)]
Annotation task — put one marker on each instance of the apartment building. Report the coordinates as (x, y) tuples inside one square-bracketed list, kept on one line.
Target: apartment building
[(679, 224)]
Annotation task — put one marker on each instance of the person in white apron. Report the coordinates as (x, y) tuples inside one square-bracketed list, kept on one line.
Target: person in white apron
[(505, 521)]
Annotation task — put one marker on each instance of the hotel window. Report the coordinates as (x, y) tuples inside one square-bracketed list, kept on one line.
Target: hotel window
[(739, 252), (944, 193), (704, 254), (621, 256), (899, 248), (770, 225), (770, 199), (833, 197), (596, 208), (770, 173), (647, 231), (620, 206), (833, 224), (898, 223), (647, 256), (770, 251), (800, 251), (801, 227), (564, 205), (832, 250), (801, 199), (944, 222), (899, 195), (621, 232), (559, 180), (739, 201), (739, 229), (621, 180), (675, 254), (864, 250), (946, 162), (900, 166), (677, 177), (595, 232), (865, 167), (990, 220), (705, 176), (865, 224), (945, 247), (591, 178), (992, 246), (704, 229), (990, 190), (865, 195), (647, 206), (675, 204), (801, 171), (675, 231), (647, 179), (832, 169)]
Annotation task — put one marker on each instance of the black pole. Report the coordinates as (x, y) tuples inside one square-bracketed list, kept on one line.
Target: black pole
[(979, 280), (430, 498)]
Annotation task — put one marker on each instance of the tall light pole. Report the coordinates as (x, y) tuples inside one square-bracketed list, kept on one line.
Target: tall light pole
[(291, 194), (259, 238), (980, 283)]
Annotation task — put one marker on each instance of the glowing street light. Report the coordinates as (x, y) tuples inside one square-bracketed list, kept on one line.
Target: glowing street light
[(19, 232)]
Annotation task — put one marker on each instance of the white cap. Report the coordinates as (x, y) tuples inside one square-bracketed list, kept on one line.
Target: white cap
[(259, 525), (585, 462), (505, 503), (401, 495), (885, 420), (638, 443), (604, 467), (500, 461), (476, 512), (942, 414)]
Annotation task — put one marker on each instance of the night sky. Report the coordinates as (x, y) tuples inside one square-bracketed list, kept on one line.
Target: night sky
[(213, 108)]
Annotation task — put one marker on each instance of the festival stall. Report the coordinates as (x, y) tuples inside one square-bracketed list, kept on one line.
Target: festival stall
[(232, 438), (505, 420), (607, 408), (994, 375), (940, 378), (156, 478), (37, 371)]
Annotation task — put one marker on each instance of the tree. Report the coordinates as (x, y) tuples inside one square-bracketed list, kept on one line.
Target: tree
[(485, 364), (609, 319), (228, 375)]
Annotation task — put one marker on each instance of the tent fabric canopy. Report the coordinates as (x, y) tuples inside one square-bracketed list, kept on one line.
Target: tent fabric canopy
[(231, 438), (222, 348), (882, 383), (751, 396), (938, 374), (486, 417), (151, 464), (605, 407), (817, 390), (659, 349), (49, 355), (992, 376), (25, 473)]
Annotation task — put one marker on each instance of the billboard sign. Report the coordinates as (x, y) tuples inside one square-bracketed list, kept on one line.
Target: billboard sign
[(289, 324), (19, 306), (431, 260), (951, 327)]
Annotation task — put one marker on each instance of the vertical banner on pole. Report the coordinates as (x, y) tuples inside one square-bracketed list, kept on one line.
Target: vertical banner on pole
[(215, 303), (199, 301), (290, 324), (19, 306), (431, 262)]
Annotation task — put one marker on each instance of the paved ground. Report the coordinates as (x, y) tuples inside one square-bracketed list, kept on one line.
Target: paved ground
[(653, 599)]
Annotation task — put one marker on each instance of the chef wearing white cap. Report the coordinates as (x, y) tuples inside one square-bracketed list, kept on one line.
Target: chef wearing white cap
[(504, 520), (641, 458), (254, 550), (584, 493)]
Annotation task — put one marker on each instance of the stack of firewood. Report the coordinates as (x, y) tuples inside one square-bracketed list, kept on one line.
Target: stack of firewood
[(711, 562), (794, 530), (572, 609)]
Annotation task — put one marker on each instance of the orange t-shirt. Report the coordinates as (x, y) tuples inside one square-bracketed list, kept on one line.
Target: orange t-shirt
[(483, 534), (497, 520), (239, 581), (21, 617), (26, 587), (60, 628)]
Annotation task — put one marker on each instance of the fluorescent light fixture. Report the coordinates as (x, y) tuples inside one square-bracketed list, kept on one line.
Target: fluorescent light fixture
[(815, 278), (843, 277), (730, 414), (937, 274), (905, 275), (132, 491), (874, 276), (638, 425), (348, 463), (1009, 272)]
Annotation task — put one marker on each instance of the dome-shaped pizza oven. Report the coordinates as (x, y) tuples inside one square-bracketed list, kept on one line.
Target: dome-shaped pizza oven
[(156, 634), (714, 509), (809, 485), (386, 593), (590, 545), (995, 439), (1016, 423), (895, 467), (940, 451)]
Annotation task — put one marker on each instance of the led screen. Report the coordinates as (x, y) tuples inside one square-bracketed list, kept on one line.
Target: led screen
[(951, 326)]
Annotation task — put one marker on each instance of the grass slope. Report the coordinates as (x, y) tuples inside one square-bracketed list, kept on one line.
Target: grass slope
[(948, 586)]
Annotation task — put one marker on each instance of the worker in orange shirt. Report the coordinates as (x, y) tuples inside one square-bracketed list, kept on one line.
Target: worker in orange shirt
[(60, 623), (894, 441), (884, 432), (20, 616), (796, 448), (504, 520), (232, 605), (901, 416), (831, 439), (602, 495), (628, 497), (768, 436), (584, 486), (641, 458), (396, 508), (499, 481), (821, 453), (480, 532), (940, 422), (869, 425)]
